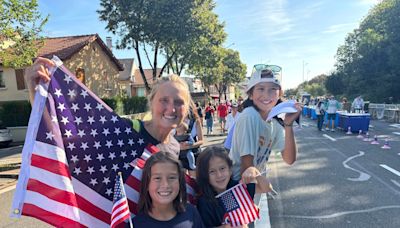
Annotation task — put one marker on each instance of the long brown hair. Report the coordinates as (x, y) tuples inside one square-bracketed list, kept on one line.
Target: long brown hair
[(145, 202), (202, 170)]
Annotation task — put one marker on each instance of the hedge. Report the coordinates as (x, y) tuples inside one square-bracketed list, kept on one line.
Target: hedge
[(126, 106), (15, 113)]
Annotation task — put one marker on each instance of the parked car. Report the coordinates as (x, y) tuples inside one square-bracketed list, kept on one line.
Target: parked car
[(5, 136)]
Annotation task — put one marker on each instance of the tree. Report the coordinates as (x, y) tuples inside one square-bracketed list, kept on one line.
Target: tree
[(200, 49), (368, 61), (159, 26), (20, 25)]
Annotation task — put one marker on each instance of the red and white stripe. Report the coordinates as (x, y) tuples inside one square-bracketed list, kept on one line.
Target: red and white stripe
[(247, 211), (52, 195)]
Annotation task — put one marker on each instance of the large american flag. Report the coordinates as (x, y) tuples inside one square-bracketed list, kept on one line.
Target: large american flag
[(239, 206), (75, 146)]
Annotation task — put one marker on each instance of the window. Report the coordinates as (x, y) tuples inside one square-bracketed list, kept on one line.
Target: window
[(2, 82), (80, 75), (140, 92), (19, 75)]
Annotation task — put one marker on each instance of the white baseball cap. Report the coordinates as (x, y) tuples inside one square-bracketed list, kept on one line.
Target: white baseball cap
[(262, 75)]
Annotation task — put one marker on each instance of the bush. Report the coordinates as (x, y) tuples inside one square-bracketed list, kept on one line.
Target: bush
[(125, 105), (15, 113)]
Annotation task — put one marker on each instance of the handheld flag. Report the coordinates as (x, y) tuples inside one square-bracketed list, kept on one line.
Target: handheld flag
[(239, 206), (120, 210)]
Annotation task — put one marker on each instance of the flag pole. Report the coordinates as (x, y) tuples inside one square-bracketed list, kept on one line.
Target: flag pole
[(219, 195), (123, 190)]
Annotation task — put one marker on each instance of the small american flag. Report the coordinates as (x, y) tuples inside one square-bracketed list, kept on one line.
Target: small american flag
[(239, 206), (120, 211), (74, 144)]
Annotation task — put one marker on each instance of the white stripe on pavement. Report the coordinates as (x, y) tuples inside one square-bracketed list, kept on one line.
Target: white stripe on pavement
[(328, 137), (390, 169), (395, 182)]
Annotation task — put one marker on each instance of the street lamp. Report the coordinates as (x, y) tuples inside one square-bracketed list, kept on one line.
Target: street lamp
[(230, 45), (304, 64)]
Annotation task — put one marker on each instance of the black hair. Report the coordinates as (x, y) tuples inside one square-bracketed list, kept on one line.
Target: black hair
[(202, 170)]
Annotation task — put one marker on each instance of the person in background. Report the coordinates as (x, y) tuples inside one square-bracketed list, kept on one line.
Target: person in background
[(209, 113), (320, 112), (358, 104), (199, 112), (346, 106), (185, 156), (163, 198), (222, 110), (331, 108), (232, 117)]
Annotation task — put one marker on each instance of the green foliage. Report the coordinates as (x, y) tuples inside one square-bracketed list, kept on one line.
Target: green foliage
[(20, 24), (15, 113), (162, 26), (367, 63), (125, 105)]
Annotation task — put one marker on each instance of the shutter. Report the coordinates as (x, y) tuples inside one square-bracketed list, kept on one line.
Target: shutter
[(19, 74)]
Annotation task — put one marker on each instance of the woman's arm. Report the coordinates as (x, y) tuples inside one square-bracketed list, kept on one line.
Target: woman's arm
[(38, 71)]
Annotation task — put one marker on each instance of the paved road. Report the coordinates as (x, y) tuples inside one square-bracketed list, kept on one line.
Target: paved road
[(339, 181)]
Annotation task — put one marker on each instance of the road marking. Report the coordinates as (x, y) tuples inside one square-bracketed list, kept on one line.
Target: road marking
[(390, 169), (395, 125), (327, 136), (396, 133), (363, 176), (396, 183), (337, 214)]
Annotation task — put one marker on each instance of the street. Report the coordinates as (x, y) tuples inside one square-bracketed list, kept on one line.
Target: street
[(338, 180)]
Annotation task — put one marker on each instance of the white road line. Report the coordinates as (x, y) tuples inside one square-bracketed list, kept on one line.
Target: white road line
[(337, 214), (327, 136), (396, 183), (390, 169), (363, 176), (396, 133), (395, 125)]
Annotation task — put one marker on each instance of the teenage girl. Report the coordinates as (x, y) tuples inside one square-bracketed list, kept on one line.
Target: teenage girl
[(162, 201), (214, 176)]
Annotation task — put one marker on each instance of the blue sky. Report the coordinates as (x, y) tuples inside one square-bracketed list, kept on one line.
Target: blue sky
[(287, 33)]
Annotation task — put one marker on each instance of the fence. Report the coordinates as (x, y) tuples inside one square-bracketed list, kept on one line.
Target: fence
[(389, 112)]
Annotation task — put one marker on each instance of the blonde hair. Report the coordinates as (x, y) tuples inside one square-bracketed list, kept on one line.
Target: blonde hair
[(174, 79)]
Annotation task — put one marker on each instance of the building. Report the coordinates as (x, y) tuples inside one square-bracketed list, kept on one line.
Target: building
[(86, 55)]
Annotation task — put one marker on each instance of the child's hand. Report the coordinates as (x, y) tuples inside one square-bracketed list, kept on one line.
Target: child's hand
[(249, 175), (291, 117)]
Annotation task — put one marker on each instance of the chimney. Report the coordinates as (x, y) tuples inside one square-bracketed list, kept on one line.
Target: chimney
[(109, 42)]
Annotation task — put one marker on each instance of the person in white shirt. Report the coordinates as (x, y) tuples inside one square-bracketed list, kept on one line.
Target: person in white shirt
[(358, 104), (331, 107), (232, 117)]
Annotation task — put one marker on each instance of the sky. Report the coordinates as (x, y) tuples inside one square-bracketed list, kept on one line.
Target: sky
[(300, 36)]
